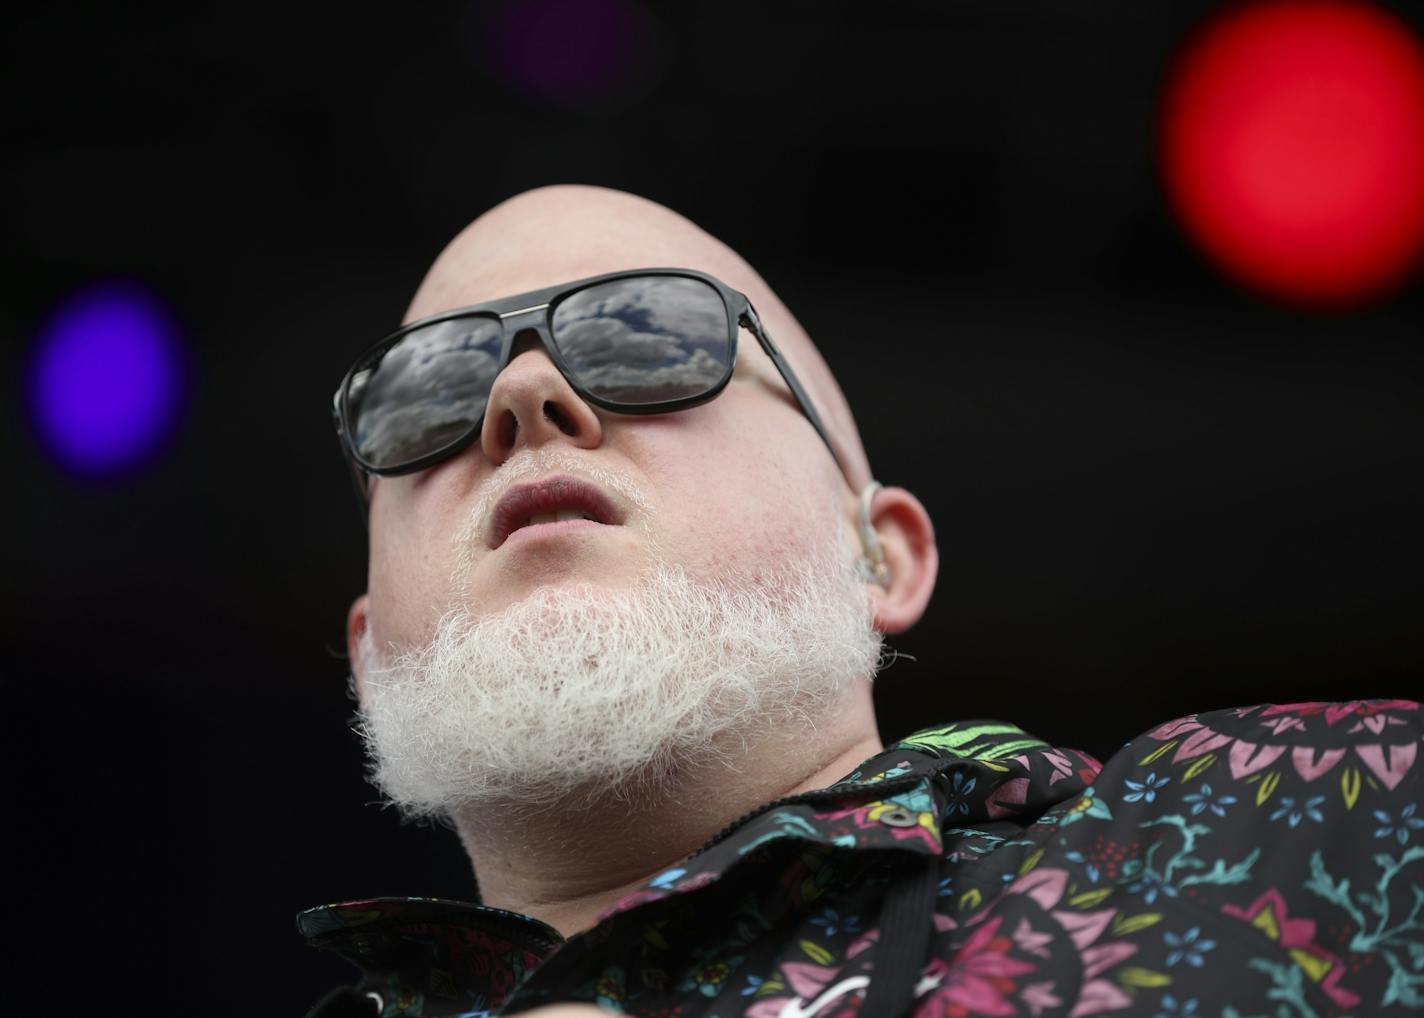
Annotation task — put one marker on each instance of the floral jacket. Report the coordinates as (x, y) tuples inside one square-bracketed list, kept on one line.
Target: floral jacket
[(1260, 861)]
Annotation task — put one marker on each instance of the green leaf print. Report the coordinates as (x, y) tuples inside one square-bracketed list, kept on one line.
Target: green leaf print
[(1288, 987)]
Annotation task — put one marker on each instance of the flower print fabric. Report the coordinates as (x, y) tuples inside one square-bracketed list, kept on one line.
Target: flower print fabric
[(1260, 861)]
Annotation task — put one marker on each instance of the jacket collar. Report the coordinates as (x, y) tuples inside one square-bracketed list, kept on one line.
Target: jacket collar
[(894, 800)]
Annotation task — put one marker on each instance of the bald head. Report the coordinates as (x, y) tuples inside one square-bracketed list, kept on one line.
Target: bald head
[(554, 234)]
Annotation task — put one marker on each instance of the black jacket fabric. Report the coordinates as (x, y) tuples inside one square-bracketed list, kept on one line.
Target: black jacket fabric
[(1260, 861)]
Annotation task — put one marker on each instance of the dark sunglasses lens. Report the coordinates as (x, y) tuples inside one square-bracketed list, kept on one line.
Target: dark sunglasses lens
[(424, 392), (645, 339)]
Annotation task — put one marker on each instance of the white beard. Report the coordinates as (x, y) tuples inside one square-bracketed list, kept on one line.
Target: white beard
[(578, 691)]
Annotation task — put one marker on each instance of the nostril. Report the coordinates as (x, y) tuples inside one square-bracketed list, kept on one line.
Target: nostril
[(561, 420), (508, 428)]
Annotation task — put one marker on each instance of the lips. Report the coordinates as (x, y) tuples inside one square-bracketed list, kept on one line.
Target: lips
[(547, 501)]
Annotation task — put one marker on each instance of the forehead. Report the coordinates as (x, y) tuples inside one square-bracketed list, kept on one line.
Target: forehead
[(542, 240), (499, 257)]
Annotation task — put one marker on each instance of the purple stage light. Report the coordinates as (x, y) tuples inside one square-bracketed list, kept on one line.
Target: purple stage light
[(106, 378), (570, 52)]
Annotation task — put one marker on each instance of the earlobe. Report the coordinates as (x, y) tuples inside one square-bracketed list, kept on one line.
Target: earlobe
[(907, 543), (356, 622)]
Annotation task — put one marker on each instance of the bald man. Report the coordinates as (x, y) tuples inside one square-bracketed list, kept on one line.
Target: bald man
[(629, 577)]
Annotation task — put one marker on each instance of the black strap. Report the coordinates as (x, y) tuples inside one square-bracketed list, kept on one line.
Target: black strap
[(905, 933)]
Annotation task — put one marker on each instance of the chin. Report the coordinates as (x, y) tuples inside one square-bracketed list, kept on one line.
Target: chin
[(513, 591)]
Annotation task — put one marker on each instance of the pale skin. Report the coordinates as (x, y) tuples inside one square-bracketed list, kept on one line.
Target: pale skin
[(728, 482)]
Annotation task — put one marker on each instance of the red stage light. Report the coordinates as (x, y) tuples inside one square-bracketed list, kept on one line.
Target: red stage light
[(1293, 148)]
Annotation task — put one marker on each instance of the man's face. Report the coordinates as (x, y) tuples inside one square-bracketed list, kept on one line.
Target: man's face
[(717, 603), (723, 488)]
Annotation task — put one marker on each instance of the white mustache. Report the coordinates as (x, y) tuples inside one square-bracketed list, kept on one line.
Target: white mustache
[(540, 462)]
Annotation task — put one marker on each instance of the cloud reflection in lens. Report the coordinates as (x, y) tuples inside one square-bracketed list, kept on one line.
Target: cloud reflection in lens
[(426, 391), (645, 340)]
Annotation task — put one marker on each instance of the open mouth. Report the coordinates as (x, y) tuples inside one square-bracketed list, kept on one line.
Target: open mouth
[(554, 504), (556, 517)]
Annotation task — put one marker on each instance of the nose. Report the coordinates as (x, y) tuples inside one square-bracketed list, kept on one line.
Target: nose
[(531, 403)]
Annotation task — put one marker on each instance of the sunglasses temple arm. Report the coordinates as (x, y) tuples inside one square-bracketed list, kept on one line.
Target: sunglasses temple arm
[(358, 479), (362, 503), (751, 321)]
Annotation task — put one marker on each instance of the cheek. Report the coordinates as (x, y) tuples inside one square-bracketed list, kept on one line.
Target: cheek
[(409, 567), (739, 491)]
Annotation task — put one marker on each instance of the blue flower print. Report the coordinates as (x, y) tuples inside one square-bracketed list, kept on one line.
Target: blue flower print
[(1149, 885), (832, 921), (1145, 790), (946, 887), (666, 878), (1310, 808), (1187, 947), (1089, 868), (1171, 1008), (959, 790), (1401, 827), (753, 984), (1088, 806), (1203, 800)]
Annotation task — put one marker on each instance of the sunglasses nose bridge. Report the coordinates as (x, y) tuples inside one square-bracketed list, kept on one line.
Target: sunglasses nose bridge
[(528, 325)]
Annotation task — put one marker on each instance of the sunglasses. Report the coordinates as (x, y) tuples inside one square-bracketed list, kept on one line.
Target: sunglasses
[(646, 341)]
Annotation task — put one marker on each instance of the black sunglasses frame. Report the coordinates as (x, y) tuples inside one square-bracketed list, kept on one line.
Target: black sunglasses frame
[(535, 310)]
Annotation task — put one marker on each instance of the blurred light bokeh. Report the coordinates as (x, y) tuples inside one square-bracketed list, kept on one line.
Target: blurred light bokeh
[(1293, 148), (568, 52), (107, 376)]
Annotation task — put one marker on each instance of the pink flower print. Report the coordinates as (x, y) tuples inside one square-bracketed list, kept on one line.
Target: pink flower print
[(1031, 941), (1044, 884), (1097, 996), (869, 937), (1334, 712), (1200, 742), (806, 982), (944, 923), (1297, 936), (1091, 768), (1281, 725), (1060, 765), (1375, 723), (1246, 758), (1007, 799), (978, 977), (866, 816), (1172, 729), (1309, 766), (1084, 928), (1038, 996), (1388, 763), (1101, 957), (1392, 768), (694, 882)]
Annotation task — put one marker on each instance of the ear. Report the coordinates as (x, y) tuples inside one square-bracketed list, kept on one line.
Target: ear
[(356, 623), (908, 544)]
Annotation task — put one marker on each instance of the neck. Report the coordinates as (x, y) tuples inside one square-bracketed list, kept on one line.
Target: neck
[(568, 864)]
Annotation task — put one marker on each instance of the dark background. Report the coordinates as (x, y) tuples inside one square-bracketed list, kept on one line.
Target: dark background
[(1154, 493)]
